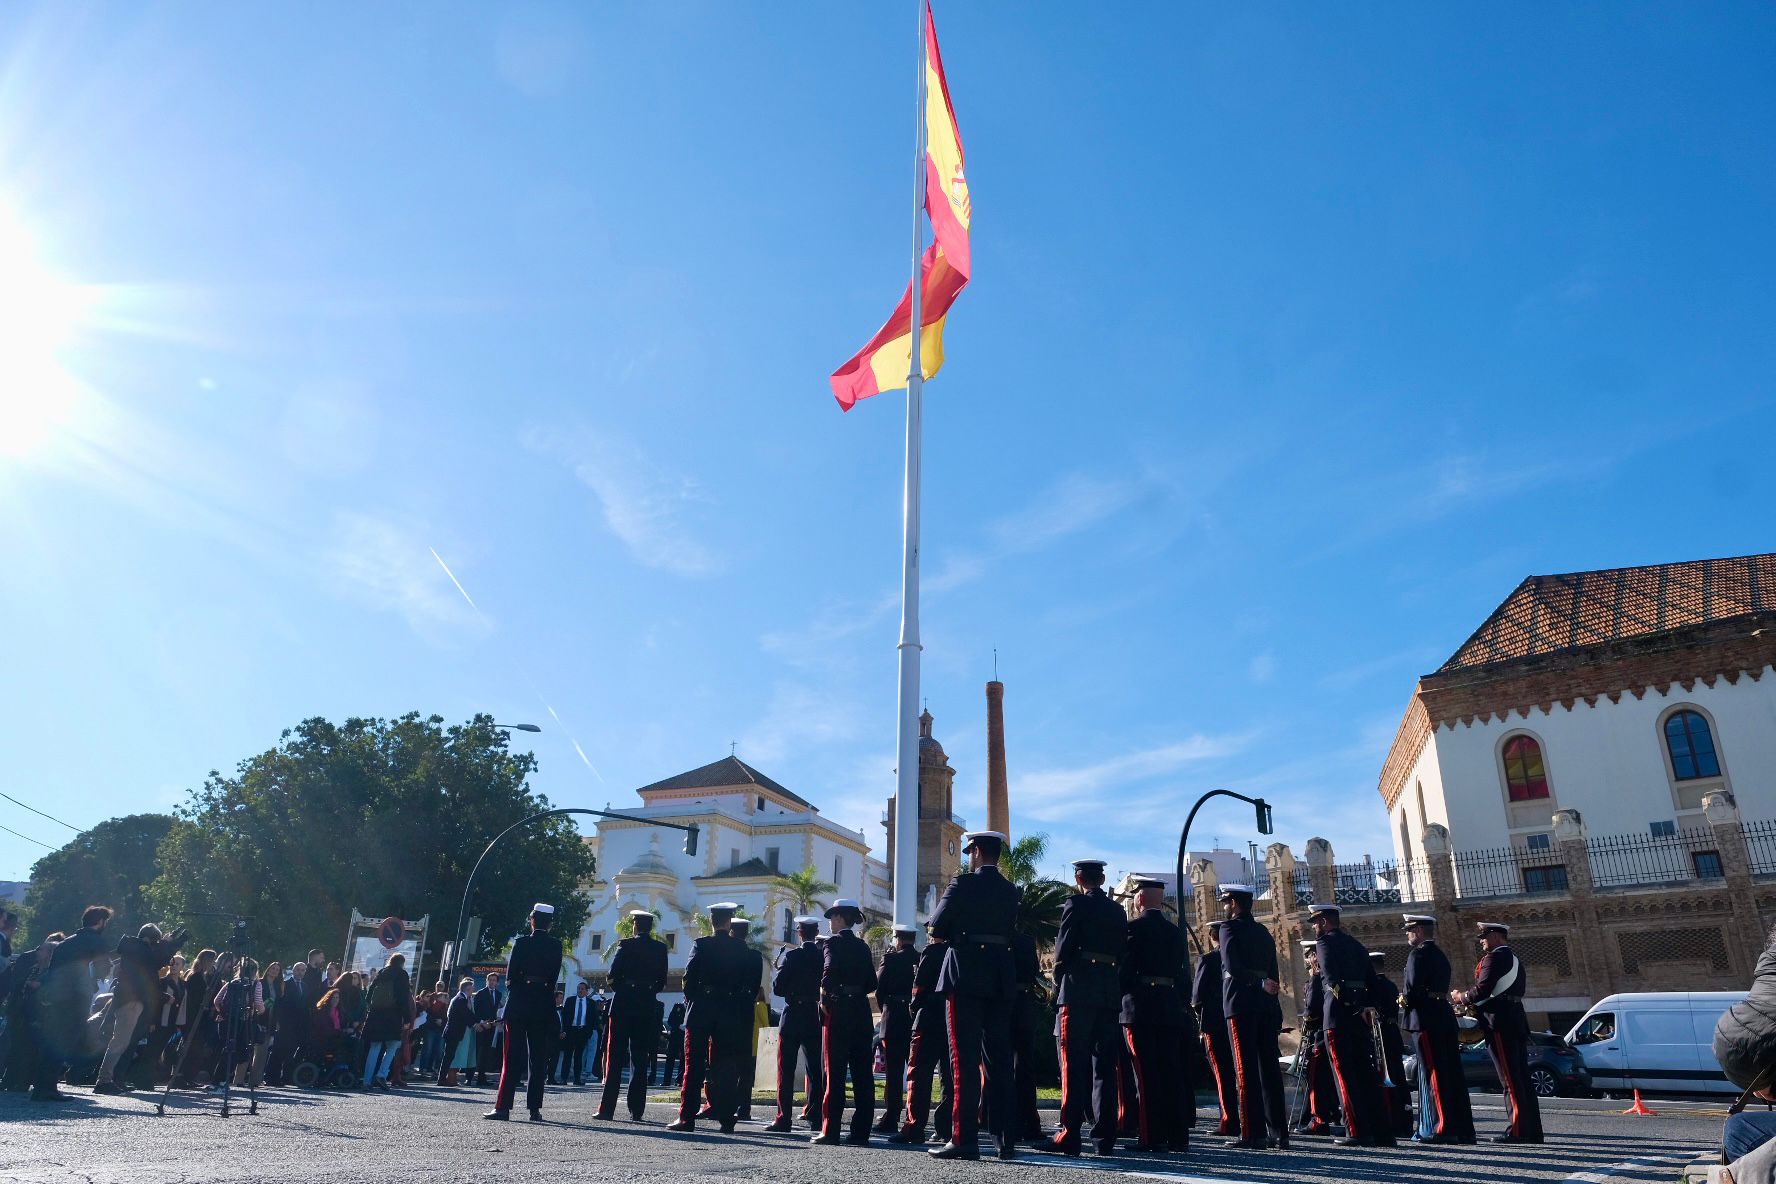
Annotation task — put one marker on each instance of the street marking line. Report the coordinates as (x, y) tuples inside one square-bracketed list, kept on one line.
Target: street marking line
[(1099, 1164), (1627, 1165)]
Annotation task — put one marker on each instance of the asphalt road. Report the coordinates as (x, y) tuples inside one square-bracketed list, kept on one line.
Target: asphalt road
[(436, 1135)]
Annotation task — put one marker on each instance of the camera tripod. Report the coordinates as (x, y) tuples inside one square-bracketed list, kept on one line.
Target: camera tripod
[(235, 999)]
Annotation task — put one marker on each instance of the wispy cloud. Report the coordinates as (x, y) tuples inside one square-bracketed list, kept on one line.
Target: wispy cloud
[(388, 564), (642, 503), (798, 718), (1056, 794)]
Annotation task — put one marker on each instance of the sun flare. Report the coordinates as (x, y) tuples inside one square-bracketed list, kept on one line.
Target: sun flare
[(40, 313)]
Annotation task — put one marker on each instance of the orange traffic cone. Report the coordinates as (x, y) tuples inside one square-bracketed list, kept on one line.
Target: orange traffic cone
[(1640, 1108)]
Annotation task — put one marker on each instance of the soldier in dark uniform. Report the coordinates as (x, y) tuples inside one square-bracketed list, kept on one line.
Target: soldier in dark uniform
[(732, 1062), (1088, 971), (1026, 1022), (894, 995), (976, 917), (1384, 997), (1156, 1024), (797, 983), (638, 975), (847, 977), (930, 1049), (532, 1024), (711, 980), (1249, 988), (1446, 1115), (1497, 999), (1318, 1088), (1205, 994), (1350, 1030)]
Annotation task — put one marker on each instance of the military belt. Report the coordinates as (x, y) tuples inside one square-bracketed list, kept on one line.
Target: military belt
[(1438, 996), (986, 939), (800, 998), (1155, 980), (1100, 959), (896, 998), (844, 991)]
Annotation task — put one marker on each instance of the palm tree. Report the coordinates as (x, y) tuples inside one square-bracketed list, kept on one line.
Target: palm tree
[(1039, 906), (802, 889), (626, 929), (1019, 862)]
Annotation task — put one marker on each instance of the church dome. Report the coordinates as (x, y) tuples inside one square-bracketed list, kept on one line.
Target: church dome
[(930, 751), (649, 862)]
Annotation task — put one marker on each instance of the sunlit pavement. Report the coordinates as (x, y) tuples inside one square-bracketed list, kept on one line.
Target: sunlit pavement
[(438, 1135)]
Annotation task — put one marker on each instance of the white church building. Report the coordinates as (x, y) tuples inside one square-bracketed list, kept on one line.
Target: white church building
[(1625, 694), (751, 829)]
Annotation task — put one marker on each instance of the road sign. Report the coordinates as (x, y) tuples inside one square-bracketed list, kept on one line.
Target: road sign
[(392, 932)]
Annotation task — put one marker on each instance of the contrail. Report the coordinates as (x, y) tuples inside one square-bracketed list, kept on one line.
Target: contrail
[(553, 714), (454, 580)]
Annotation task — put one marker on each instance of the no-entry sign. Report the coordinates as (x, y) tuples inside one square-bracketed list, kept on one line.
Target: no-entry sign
[(392, 932)]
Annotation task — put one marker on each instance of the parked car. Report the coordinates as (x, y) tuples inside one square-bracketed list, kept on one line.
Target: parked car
[(1555, 1067), (1655, 1041)]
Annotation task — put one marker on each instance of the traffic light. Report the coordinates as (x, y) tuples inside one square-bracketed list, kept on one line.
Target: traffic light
[(1265, 824), (691, 840)]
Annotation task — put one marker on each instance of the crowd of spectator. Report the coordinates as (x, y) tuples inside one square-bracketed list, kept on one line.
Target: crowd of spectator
[(138, 1012)]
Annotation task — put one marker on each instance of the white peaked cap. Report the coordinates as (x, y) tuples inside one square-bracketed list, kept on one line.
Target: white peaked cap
[(968, 837), (543, 909), (640, 913), (726, 906), (1418, 919), (1235, 890), (909, 930), (807, 920)]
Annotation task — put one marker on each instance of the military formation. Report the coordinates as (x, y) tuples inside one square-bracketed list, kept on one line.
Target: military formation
[(1130, 1024)]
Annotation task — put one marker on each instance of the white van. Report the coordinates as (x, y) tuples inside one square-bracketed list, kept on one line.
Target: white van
[(1655, 1041)]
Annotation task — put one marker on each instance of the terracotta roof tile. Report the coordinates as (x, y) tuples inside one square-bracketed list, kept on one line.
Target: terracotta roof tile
[(723, 774)]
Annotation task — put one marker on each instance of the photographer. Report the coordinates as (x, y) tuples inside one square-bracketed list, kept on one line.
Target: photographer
[(135, 986), (1745, 1046), (67, 1002)]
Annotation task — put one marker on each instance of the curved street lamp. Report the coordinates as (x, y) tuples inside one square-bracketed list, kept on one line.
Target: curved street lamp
[(1265, 826)]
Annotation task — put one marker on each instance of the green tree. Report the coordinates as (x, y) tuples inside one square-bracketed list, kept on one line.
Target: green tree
[(386, 816), (626, 929), (1039, 907), (111, 864), (802, 890)]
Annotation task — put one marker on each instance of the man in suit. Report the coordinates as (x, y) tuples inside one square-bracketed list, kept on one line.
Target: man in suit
[(1156, 1024), (577, 1016), (638, 975), (1497, 999), (1349, 1024), (1249, 988), (459, 1021), (847, 976), (930, 1049), (797, 983), (1446, 1115), (1088, 969), (976, 917), (531, 1023), (894, 995), (488, 1005), (1205, 995), (597, 1044)]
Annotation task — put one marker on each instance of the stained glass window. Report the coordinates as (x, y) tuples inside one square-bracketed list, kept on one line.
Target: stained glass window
[(1526, 777)]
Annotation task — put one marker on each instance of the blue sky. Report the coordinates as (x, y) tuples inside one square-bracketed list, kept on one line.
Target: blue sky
[(1297, 336)]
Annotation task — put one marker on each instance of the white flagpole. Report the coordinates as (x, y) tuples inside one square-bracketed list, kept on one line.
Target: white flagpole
[(906, 797)]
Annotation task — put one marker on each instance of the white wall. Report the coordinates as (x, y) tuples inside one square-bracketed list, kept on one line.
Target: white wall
[(1607, 761)]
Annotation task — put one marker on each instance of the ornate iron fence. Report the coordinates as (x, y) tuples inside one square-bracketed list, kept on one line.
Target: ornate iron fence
[(1760, 844), (1304, 893), (1508, 871), (1365, 883), (1623, 860)]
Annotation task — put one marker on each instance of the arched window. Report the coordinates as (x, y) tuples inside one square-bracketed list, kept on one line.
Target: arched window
[(1691, 745), (1526, 777)]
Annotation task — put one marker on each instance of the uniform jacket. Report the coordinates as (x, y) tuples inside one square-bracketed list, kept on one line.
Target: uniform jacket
[(1498, 993), (847, 974), (1089, 949), (976, 918), (1345, 965), (797, 982), (1313, 1004), (637, 975), (531, 971), (717, 990), (928, 1004), (1155, 951), (1205, 991), (894, 981), (1427, 990), (1384, 997), (1248, 957), (461, 1016)]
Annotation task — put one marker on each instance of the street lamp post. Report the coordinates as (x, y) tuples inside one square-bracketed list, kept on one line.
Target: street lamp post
[(1265, 826), (462, 913)]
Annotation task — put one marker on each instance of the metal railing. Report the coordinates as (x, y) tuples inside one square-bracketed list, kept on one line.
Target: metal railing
[(1365, 883), (1508, 871), (1304, 893), (1760, 845), (1622, 860)]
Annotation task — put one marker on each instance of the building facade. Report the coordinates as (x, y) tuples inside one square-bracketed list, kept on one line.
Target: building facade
[(1625, 695), (940, 831), (751, 829)]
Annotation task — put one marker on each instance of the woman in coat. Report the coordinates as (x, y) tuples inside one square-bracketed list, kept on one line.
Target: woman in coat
[(390, 1012)]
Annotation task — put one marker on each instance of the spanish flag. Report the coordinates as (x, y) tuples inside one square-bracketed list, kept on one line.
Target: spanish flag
[(884, 363)]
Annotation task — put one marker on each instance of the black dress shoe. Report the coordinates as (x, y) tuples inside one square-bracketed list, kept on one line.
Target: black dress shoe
[(825, 1140), (954, 1151), (682, 1124), (1281, 1144), (1510, 1138), (858, 1138), (908, 1135), (1248, 1145), (886, 1126), (1062, 1147), (1008, 1150), (536, 1115), (706, 1112), (1181, 1147), (812, 1122), (1107, 1147), (781, 1127), (53, 1095), (498, 1116), (727, 1128)]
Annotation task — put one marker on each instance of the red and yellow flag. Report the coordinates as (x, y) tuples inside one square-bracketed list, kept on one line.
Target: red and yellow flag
[(884, 363)]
